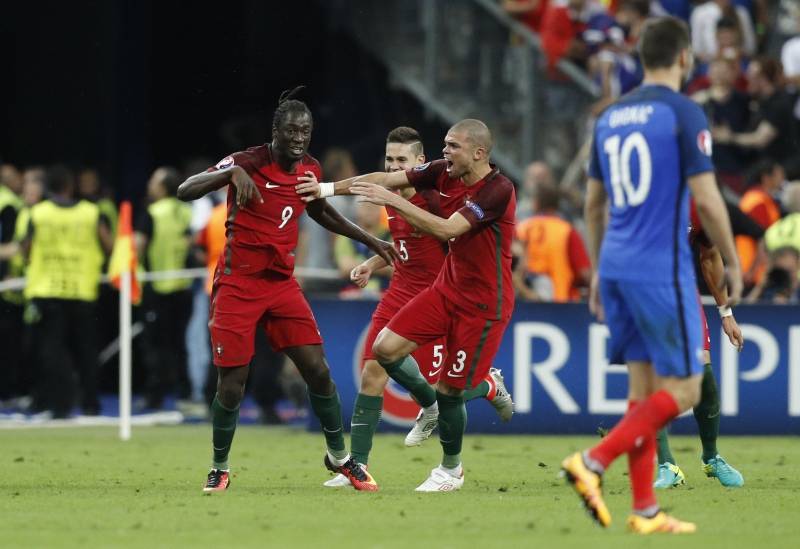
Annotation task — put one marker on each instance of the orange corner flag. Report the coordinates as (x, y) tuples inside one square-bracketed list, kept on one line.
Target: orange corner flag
[(123, 256)]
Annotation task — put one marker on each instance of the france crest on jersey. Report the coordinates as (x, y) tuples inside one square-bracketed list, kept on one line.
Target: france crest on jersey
[(645, 148)]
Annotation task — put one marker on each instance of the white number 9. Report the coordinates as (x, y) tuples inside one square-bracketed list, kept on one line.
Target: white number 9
[(286, 215)]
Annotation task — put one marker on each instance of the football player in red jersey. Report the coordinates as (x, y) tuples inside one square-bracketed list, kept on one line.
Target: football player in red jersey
[(253, 283), (471, 301), (707, 411), (423, 256)]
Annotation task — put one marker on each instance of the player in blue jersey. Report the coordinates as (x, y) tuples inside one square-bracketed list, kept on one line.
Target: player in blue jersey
[(650, 149)]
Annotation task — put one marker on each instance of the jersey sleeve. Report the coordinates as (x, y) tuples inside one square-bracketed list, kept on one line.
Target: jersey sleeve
[(694, 139), (594, 162), (489, 204), (241, 158), (425, 175)]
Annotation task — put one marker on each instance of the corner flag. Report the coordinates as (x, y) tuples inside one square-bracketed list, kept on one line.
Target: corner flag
[(123, 256)]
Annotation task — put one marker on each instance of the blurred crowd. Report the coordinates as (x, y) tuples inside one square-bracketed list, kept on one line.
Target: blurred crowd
[(59, 334)]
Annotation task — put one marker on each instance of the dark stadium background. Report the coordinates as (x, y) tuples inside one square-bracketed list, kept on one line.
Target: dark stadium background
[(126, 86)]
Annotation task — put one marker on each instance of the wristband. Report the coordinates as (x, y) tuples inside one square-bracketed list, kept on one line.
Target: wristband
[(725, 311), (326, 190)]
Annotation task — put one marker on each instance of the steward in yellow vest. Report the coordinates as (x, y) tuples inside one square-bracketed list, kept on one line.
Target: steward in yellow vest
[(163, 241), (11, 308), (65, 244)]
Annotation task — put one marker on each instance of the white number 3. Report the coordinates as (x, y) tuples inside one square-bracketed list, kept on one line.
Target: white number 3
[(286, 215)]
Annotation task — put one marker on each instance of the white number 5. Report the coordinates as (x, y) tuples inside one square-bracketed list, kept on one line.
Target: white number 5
[(619, 165), (286, 215), (403, 251)]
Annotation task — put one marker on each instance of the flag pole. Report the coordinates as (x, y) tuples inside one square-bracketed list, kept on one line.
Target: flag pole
[(125, 356)]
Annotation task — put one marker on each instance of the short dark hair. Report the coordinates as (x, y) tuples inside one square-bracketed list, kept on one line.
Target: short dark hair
[(663, 39), (60, 179), (287, 104), (406, 136), (760, 169), (728, 22)]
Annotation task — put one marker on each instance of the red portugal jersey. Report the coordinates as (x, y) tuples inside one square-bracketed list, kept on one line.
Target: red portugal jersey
[(261, 238), (422, 254), (477, 271)]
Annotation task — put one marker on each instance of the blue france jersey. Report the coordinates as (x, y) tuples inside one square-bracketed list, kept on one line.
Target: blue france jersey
[(645, 147)]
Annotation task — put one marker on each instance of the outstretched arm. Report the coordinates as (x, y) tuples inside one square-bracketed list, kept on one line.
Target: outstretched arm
[(441, 228), (311, 189), (203, 183), (327, 216), (594, 214)]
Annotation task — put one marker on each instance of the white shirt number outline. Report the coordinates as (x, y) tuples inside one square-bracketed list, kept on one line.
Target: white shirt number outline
[(619, 165), (286, 215), (402, 250)]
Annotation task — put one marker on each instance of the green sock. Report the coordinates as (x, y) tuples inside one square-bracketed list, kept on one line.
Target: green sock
[(664, 453), (452, 423), (223, 423), (328, 410), (406, 372), (481, 391), (366, 415), (707, 414)]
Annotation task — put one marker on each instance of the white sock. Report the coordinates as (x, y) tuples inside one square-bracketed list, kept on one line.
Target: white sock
[(432, 409), (338, 462), (454, 472)]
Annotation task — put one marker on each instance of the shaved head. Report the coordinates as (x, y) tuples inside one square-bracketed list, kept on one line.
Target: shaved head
[(477, 133)]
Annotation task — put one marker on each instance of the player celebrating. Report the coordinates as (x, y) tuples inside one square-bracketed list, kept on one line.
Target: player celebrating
[(423, 256), (707, 412), (650, 148), (471, 301), (253, 284)]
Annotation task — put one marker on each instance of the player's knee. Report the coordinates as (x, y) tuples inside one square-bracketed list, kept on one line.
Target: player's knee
[(318, 378), (229, 393), (373, 379), (384, 350)]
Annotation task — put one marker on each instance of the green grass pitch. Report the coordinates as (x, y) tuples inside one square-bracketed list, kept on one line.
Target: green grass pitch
[(84, 488)]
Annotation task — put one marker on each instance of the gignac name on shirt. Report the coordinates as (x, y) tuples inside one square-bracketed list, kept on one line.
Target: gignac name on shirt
[(638, 114)]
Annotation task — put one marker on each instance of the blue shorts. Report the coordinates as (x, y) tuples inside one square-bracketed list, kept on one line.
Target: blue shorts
[(654, 322)]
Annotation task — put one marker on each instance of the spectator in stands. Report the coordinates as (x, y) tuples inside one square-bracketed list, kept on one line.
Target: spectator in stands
[(766, 179), (563, 23), (703, 23), (536, 174), (790, 58), (728, 107), (349, 253), (730, 48), (529, 12), (772, 124), (555, 265), (162, 239), (66, 240)]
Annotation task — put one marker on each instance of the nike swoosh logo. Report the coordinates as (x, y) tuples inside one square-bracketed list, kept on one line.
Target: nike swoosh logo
[(712, 417), (219, 449), (271, 186), (390, 217), (451, 374), (444, 195), (359, 425), (329, 431), (434, 372)]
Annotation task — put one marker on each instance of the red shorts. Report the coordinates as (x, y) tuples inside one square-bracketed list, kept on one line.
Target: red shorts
[(429, 357), (239, 304), (471, 341)]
